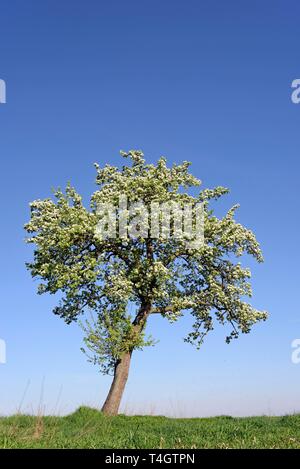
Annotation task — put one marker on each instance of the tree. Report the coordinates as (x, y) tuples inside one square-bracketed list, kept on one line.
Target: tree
[(78, 253)]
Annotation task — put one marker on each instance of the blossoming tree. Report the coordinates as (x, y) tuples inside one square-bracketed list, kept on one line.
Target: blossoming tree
[(113, 276)]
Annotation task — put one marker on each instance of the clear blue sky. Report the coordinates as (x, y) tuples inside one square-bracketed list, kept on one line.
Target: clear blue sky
[(205, 81)]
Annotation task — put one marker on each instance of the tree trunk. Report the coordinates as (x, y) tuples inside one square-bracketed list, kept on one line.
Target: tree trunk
[(113, 400)]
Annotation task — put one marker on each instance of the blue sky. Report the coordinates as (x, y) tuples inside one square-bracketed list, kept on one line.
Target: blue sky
[(208, 82)]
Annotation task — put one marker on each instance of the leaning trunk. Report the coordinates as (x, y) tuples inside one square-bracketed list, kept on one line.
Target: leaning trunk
[(113, 400)]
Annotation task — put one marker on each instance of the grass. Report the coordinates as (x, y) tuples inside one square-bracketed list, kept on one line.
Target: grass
[(88, 428)]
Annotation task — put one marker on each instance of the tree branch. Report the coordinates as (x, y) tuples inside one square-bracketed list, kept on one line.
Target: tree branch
[(167, 309)]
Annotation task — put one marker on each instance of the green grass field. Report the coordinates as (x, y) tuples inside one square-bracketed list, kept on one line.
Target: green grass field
[(88, 428)]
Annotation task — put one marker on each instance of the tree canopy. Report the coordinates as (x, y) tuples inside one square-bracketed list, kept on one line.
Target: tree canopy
[(123, 280)]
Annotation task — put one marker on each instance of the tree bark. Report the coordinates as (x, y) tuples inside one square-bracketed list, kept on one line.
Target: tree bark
[(113, 400)]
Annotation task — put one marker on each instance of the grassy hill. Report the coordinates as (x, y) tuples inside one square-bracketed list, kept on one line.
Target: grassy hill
[(88, 428)]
